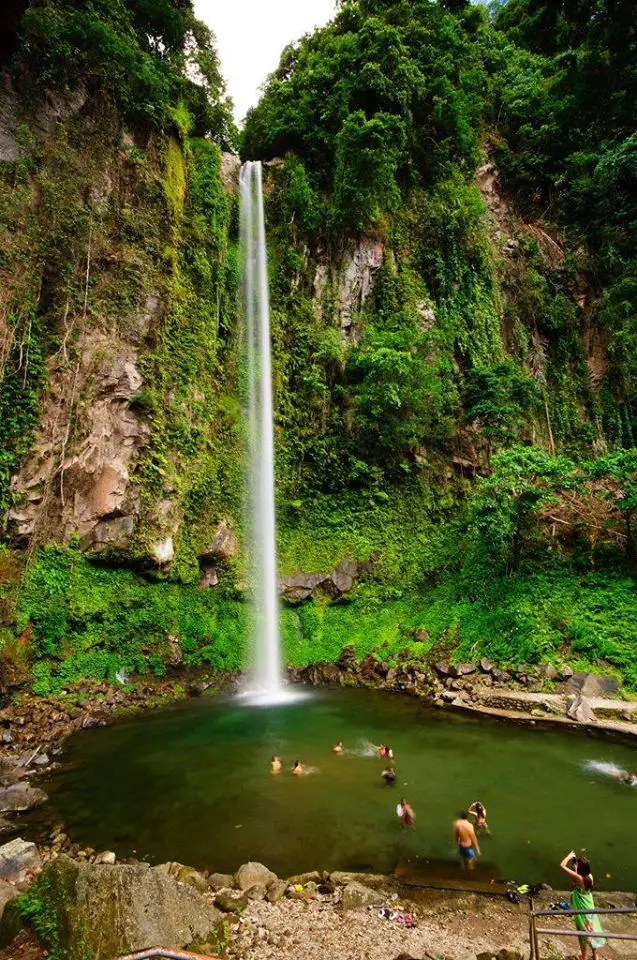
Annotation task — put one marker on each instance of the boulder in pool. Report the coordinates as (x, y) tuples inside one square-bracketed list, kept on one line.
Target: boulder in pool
[(253, 875), (103, 911)]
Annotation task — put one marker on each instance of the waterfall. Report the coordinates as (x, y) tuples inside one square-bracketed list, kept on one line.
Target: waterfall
[(268, 684)]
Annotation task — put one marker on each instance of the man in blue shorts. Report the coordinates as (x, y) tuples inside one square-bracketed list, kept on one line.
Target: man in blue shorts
[(468, 846)]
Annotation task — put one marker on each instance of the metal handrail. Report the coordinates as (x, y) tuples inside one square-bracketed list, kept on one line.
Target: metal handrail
[(534, 930), (164, 954)]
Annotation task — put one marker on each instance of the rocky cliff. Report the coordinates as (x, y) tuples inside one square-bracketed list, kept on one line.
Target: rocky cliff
[(450, 403)]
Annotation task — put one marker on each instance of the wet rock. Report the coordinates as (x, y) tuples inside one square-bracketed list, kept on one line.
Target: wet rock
[(356, 895), (579, 708), (251, 874), (367, 668), (104, 911), (220, 881), (485, 665), (18, 858), (42, 760), (19, 797), (184, 874), (276, 890), (230, 901), (7, 826), (106, 857)]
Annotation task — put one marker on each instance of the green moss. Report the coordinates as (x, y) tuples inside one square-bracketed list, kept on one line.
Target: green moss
[(175, 181)]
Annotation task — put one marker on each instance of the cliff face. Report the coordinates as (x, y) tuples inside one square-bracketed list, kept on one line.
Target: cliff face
[(450, 403), (115, 273)]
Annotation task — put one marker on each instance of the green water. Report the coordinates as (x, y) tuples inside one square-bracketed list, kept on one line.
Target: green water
[(193, 784)]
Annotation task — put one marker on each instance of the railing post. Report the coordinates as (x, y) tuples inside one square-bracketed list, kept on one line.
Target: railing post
[(535, 949)]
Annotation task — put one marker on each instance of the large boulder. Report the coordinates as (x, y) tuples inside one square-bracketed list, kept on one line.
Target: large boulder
[(594, 685), (20, 796), (17, 859), (105, 911), (252, 875), (357, 895)]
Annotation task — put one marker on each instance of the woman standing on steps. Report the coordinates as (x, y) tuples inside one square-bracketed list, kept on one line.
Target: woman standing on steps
[(582, 899)]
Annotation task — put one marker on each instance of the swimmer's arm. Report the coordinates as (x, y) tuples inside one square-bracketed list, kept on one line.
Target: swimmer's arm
[(472, 811)]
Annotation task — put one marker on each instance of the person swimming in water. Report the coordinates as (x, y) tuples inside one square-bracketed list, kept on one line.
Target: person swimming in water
[(389, 775), (275, 764), (630, 779), (384, 750), (406, 815), (479, 811), (298, 769), (338, 747)]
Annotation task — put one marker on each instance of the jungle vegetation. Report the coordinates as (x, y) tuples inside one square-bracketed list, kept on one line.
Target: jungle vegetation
[(473, 428)]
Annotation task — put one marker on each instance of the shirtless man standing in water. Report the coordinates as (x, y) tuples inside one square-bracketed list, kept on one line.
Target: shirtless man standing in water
[(468, 846)]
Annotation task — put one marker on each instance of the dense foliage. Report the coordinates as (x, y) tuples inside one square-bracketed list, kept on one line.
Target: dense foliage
[(466, 428), (145, 54)]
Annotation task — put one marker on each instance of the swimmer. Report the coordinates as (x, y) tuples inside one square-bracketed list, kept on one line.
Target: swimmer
[(384, 750), (630, 779), (275, 764), (466, 840), (406, 815), (389, 775), (338, 747), (479, 811), (298, 770)]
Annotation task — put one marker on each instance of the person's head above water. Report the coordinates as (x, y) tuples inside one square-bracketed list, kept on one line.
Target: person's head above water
[(297, 763), (463, 815)]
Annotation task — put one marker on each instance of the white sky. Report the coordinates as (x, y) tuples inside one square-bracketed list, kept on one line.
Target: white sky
[(251, 35)]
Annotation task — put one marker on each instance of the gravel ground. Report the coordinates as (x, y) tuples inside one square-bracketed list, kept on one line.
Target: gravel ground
[(452, 927)]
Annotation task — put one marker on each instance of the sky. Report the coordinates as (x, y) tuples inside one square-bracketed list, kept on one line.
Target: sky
[(251, 35)]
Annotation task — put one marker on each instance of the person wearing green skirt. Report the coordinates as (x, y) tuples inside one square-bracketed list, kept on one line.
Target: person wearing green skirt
[(579, 870)]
